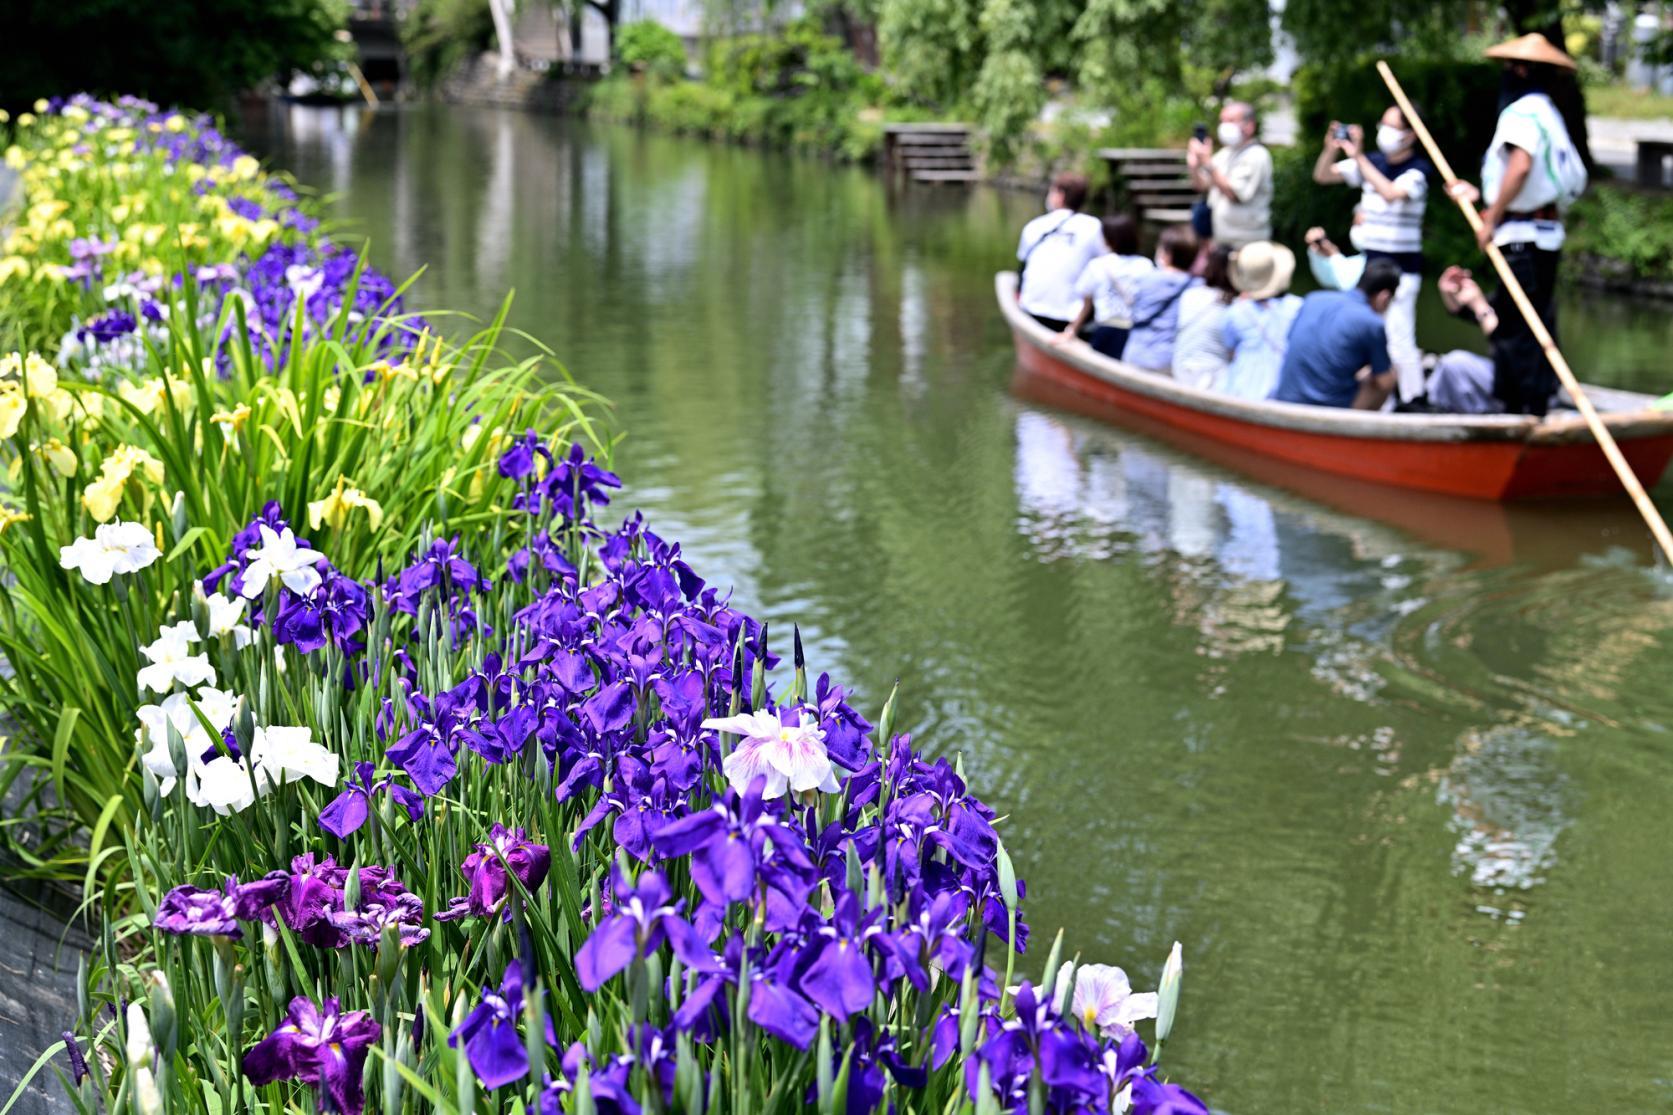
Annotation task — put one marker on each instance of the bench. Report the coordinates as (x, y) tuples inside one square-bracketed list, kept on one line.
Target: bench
[(1653, 156), (1155, 181)]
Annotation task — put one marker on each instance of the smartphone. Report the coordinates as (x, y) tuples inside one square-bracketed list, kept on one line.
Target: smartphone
[(1200, 132), (1342, 132)]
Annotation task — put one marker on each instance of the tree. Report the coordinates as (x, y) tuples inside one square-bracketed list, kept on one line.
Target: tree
[(201, 53)]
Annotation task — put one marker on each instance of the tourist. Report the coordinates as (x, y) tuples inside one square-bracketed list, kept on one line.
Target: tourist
[(1200, 354), (1156, 300), (1257, 327), (1236, 180), (1338, 350), (1393, 182), (1106, 287), (1055, 248), (1532, 171), (1331, 268)]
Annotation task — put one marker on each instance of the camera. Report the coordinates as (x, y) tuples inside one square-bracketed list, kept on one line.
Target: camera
[(1341, 132), (1199, 132)]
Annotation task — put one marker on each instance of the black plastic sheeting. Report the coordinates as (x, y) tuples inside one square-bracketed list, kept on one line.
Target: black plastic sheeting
[(38, 959)]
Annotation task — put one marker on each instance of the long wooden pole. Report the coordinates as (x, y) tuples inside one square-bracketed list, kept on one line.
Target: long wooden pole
[(1605, 440)]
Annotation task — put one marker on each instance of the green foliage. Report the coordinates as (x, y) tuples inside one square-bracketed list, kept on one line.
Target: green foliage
[(1630, 234), (932, 50), (798, 88), (173, 51), (648, 45), (440, 34)]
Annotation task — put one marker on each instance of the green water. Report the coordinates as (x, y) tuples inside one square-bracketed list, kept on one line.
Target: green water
[(1397, 772)]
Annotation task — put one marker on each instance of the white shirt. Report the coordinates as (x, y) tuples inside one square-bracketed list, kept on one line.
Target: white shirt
[(1247, 216), (1057, 246), (1532, 123), (1395, 226), (1109, 280)]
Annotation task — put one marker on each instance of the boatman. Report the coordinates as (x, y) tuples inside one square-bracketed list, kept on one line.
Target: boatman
[(1532, 172)]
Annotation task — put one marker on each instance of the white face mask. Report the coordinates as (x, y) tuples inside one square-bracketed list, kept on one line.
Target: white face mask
[(1355, 238), (1390, 141), (1229, 134)]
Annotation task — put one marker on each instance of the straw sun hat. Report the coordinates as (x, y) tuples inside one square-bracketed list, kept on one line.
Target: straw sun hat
[(1262, 269), (1531, 48)]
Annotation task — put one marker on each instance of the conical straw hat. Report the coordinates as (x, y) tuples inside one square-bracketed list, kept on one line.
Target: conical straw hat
[(1531, 48)]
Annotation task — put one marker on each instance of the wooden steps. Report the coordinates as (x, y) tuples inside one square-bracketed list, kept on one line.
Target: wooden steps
[(933, 153), (1154, 181)]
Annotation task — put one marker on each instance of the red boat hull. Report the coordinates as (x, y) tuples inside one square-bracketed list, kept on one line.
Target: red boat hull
[(1549, 460)]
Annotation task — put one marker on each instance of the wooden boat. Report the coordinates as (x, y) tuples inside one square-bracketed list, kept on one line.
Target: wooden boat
[(1489, 457)]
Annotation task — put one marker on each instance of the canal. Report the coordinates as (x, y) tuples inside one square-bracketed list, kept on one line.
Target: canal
[(1397, 772)]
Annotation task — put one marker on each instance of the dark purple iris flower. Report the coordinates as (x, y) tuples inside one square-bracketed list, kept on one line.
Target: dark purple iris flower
[(402, 914), (492, 1043), (440, 566), (321, 1046), (193, 911), (349, 809), (333, 613), (106, 327), (489, 869), (244, 207), (643, 919)]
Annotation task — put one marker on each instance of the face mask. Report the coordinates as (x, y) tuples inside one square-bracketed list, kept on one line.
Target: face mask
[(1229, 134), (1354, 238), (1390, 141)]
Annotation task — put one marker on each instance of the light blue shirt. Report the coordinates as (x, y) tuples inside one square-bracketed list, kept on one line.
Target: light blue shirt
[(1257, 333), (1156, 319)]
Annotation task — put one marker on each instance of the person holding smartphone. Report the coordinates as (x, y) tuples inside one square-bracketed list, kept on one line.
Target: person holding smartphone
[(1235, 180), (1393, 181)]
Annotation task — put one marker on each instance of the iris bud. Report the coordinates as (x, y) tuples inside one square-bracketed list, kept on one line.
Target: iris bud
[(163, 1028), (1167, 993), (138, 1047)]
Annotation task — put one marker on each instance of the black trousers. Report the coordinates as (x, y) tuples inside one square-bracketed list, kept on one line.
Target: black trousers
[(1055, 324), (1109, 340), (1523, 378)]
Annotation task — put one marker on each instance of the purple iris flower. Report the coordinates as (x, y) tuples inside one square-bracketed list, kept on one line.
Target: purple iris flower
[(1066, 1058), (836, 968), (492, 1044), (349, 809), (321, 1046), (727, 841), (518, 461), (489, 868), (334, 612), (438, 566), (402, 913), (608, 1081), (193, 911), (1151, 1097), (643, 919), (245, 208), (106, 327)]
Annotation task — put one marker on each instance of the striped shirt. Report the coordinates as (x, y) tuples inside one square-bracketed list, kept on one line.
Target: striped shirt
[(1391, 228)]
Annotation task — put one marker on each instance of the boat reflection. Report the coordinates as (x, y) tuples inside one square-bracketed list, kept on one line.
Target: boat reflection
[(1547, 534), (1257, 570)]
